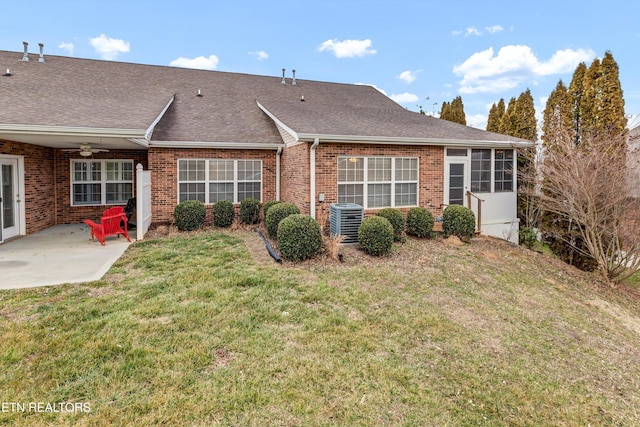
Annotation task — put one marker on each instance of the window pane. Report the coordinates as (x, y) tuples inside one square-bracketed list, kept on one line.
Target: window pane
[(221, 170), (379, 195), (481, 170), (351, 169), (248, 190), (192, 191), (191, 170), (406, 169), (351, 193), (220, 191), (95, 171), (503, 170), (86, 194), (406, 194), (249, 170), (119, 192), (379, 169), (458, 152)]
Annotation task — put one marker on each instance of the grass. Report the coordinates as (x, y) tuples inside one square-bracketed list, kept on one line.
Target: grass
[(205, 329)]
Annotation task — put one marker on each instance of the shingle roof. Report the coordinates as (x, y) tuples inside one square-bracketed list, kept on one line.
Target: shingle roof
[(72, 92)]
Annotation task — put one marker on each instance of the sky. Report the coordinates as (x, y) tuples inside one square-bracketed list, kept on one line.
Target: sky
[(418, 53)]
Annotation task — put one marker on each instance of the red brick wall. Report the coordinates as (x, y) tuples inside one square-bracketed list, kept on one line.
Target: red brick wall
[(294, 176), (39, 186), (163, 163), (430, 165), (67, 214)]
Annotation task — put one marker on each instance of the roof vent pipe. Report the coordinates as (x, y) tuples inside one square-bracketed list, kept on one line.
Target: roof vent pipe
[(293, 82), (41, 59), (284, 82), (25, 57)]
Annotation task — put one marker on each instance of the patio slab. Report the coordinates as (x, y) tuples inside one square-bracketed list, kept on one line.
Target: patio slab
[(57, 255)]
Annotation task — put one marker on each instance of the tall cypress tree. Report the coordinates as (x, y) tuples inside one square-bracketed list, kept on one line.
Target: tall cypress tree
[(495, 115), (445, 111), (591, 102), (612, 119), (576, 93), (557, 115), (525, 117), (507, 122), (457, 108)]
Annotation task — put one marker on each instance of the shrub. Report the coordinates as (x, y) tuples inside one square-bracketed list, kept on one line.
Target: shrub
[(395, 217), (299, 237), (268, 206), (459, 221), (223, 213), (527, 237), (375, 235), (276, 214), (250, 211), (419, 222), (189, 215)]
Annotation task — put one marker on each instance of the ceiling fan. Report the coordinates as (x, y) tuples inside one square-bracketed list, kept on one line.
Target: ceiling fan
[(85, 150)]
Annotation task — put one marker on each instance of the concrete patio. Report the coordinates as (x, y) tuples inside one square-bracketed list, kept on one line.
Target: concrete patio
[(57, 255)]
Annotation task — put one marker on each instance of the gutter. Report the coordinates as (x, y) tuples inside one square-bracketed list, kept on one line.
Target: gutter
[(226, 144), (312, 176), (278, 155)]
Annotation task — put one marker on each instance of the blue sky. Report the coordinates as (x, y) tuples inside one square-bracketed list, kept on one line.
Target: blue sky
[(419, 53)]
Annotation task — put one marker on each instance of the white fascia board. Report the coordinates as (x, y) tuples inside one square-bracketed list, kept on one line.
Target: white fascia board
[(224, 145), (22, 129), (279, 122), (149, 132), (414, 141)]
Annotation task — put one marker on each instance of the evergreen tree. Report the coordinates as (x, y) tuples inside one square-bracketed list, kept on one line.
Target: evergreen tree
[(591, 101), (557, 115), (612, 119), (507, 122), (453, 111), (525, 118), (495, 115), (576, 93)]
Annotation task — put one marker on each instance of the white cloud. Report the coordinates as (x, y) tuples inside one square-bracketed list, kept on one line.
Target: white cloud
[(472, 31), (478, 121), (484, 72), (109, 48), (68, 47), (200, 62), (408, 76), (260, 55), (404, 98), (494, 29), (456, 32), (348, 48)]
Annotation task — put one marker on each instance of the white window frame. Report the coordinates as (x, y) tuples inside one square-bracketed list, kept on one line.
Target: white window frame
[(392, 182), (513, 160), (208, 181), (102, 181), (467, 159)]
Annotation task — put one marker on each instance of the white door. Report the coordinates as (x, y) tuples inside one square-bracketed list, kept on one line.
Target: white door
[(456, 182), (9, 199)]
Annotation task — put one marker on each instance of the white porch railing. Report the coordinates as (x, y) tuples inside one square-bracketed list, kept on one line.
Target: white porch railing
[(143, 201)]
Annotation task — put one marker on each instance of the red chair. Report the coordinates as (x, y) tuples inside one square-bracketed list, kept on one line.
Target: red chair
[(111, 223)]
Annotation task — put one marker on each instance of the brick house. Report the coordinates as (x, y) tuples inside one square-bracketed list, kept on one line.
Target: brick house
[(211, 135)]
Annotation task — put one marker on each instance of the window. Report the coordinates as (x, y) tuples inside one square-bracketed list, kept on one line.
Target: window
[(481, 170), (380, 181), (503, 167), (101, 182), (219, 179)]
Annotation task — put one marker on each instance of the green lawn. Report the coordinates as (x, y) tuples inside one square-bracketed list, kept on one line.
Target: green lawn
[(205, 329)]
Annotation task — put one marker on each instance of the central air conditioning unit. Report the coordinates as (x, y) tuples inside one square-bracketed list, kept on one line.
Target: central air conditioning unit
[(345, 219)]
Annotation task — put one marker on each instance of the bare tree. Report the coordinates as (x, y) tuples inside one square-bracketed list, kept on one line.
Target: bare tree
[(587, 187)]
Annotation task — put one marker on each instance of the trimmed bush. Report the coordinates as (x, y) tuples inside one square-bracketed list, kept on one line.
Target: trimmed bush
[(250, 211), (395, 217), (299, 237), (375, 235), (268, 206), (527, 237), (459, 221), (189, 215), (419, 222), (223, 213), (276, 214)]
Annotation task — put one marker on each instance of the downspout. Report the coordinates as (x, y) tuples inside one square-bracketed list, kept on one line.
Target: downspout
[(278, 155), (312, 176)]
